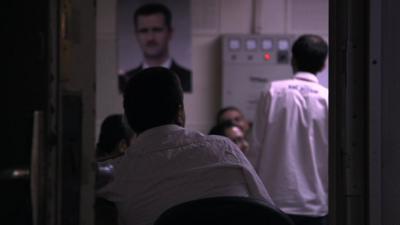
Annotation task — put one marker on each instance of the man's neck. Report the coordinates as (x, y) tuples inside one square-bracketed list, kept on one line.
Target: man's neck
[(299, 71)]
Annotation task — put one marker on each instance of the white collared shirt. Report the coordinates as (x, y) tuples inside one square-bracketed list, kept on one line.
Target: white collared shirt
[(167, 64), (289, 144), (168, 165)]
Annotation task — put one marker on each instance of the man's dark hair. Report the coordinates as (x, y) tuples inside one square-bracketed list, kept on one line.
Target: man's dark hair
[(153, 8), (225, 109), (309, 53), (152, 97), (220, 128)]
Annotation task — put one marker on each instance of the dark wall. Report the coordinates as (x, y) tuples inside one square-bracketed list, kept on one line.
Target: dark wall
[(24, 31), (364, 112), (390, 112), (348, 112)]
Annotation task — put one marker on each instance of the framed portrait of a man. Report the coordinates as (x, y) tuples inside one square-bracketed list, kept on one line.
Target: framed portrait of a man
[(154, 33)]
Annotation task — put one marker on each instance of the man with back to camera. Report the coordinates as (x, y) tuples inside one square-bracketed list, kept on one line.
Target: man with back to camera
[(289, 147), (153, 31), (167, 164)]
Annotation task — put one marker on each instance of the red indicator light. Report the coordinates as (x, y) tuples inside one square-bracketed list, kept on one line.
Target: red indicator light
[(267, 56)]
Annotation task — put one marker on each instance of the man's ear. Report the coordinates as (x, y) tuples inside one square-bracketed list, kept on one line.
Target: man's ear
[(293, 63), (181, 120), (323, 66), (122, 146)]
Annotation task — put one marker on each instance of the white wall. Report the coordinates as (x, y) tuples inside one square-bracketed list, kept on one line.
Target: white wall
[(108, 99), (210, 19)]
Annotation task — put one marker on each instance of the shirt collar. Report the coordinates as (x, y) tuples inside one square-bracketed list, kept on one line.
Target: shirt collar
[(306, 76), (158, 130), (167, 64), (153, 139)]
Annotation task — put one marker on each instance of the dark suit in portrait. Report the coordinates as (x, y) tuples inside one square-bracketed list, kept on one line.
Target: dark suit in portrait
[(185, 76)]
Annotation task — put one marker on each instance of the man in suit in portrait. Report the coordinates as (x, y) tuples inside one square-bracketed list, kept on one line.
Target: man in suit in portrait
[(153, 31)]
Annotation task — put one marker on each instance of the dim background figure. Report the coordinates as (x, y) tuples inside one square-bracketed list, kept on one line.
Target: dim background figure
[(232, 113), (114, 137), (233, 132)]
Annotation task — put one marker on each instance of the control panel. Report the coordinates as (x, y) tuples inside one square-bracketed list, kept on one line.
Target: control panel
[(249, 62)]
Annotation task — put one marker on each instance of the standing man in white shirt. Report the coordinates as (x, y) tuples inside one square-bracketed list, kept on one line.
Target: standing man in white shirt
[(167, 164), (289, 147)]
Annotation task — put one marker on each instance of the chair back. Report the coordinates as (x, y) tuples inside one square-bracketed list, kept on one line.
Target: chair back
[(224, 211)]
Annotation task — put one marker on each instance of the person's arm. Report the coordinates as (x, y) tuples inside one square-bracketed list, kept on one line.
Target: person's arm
[(255, 186), (259, 127)]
